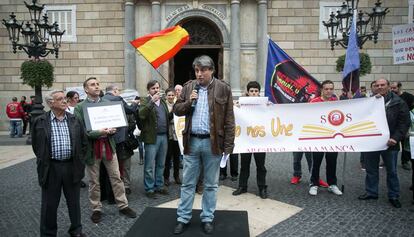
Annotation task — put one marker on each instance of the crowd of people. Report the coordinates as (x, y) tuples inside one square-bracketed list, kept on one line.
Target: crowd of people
[(65, 148)]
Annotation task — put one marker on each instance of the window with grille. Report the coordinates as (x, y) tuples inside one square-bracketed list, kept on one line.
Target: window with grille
[(65, 16)]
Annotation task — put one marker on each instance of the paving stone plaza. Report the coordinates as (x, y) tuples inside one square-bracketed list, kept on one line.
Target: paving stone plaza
[(323, 215)]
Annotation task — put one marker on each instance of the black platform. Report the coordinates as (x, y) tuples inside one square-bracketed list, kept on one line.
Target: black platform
[(160, 222)]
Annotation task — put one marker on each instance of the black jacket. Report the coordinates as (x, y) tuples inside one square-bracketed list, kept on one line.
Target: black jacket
[(398, 118), (41, 144), (121, 133)]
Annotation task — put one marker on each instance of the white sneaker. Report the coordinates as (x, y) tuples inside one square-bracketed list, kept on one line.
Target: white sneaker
[(334, 189), (313, 190)]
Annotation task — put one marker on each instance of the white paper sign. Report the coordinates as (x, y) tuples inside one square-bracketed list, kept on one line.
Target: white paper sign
[(412, 147), (403, 43), (108, 116)]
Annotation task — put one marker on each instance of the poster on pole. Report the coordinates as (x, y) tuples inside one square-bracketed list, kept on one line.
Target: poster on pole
[(403, 43)]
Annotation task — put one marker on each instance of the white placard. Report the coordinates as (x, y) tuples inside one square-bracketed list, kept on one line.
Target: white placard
[(403, 43), (412, 147), (105, 116), (253, 100)]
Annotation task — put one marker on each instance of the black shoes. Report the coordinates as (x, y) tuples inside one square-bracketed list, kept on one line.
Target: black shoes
[(207, 227), (128, 212), (233, 178), (177, 180), (162, 191), (180, 227), (79, 235), (263, 193), (367, 197), (395, 203), (239, 191), (150, 195), (96, 216)]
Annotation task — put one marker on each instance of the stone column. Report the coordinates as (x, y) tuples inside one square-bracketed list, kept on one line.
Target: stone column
[(156, 26), (129, 57), (261, 40), (235, 46)]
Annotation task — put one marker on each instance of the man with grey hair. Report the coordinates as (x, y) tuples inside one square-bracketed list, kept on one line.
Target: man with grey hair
[(207, 104), (178, 88), (398, 120), (59, 143)]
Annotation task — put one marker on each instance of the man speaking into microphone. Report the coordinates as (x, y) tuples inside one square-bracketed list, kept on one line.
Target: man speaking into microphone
[(207, 105)]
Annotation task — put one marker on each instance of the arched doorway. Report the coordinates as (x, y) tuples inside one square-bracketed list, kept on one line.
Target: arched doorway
[(205, 38)]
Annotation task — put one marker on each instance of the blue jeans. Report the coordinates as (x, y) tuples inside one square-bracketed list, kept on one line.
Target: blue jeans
[(155, 153), (16, 128), (200, 156), (390, 159), (297, 162)]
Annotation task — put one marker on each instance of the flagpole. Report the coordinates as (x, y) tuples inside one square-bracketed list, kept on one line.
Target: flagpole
[(155, 69)]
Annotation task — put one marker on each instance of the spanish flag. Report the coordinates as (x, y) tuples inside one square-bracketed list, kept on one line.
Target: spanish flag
[(159, 47)]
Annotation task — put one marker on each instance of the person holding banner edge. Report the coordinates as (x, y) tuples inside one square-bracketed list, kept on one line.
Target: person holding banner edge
[(331, 157), (253, 89), (208, 135), (398, 120)]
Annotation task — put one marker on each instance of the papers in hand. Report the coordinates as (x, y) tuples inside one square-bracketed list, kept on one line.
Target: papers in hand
[(224, 159)]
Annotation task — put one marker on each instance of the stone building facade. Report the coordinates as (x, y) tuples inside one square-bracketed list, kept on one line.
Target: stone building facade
[(234, 33)]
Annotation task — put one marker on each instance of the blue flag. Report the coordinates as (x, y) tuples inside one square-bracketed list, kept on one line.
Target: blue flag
[(286, 81), (350, 73)]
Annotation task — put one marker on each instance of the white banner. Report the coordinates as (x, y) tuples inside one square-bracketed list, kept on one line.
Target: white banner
[(403, 43), (342, 126)]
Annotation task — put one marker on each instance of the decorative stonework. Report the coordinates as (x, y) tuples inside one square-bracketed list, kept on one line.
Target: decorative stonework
[(217, 9), (201, 33), (173, 10)]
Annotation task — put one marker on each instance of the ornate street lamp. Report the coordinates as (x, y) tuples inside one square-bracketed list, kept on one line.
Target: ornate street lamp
[(36, 35), (342, 20)]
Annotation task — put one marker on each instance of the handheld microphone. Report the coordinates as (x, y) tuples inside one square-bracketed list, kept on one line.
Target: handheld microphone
[(196, 88)]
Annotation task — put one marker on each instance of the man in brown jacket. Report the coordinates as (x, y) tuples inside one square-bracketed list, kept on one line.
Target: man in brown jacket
[(207, 104)]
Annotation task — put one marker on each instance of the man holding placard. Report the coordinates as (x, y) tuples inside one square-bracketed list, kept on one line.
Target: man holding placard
[(101, 148)]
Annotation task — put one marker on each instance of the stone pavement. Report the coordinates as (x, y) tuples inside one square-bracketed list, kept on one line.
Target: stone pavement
[(323, 215)]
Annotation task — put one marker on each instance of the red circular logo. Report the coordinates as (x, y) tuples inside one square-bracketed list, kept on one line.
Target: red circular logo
[(336, 117)]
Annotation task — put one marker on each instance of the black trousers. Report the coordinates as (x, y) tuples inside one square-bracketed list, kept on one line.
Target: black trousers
[(173, 153), (405, 155), (331, 158), (234, 166), (60, 177), (412, 177), (259, 158)]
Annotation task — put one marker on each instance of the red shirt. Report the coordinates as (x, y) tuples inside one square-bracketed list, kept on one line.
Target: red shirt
[(14, 110), (320, 99)]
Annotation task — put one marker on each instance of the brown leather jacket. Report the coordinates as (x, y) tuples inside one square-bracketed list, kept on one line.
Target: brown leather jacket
[(222, 123)]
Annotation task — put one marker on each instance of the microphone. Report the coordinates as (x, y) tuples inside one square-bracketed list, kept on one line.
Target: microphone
[(197, 88)]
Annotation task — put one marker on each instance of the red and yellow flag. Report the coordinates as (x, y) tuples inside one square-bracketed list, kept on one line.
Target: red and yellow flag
[(159, 47)]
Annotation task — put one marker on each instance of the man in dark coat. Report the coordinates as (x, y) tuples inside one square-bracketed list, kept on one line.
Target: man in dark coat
[(59, 141), (398, 120)]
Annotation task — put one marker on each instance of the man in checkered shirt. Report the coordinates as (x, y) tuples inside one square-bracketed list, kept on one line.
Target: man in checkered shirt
[(59, 141)]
